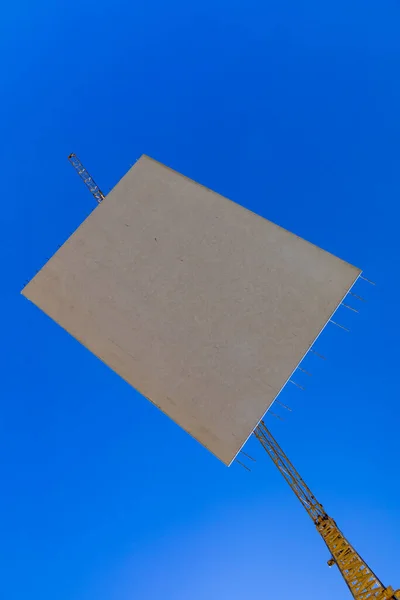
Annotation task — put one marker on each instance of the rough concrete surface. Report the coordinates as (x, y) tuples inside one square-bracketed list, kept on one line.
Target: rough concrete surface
[(202, 306)]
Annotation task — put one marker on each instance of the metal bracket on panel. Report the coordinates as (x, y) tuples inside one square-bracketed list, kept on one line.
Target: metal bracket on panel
[(367, 280), (358, 297), (284, 405), (338, 325), (350, 307), (297, 384), (304, 371)]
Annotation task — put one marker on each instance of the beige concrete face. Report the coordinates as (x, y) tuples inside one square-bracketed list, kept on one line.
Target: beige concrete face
[(201, 305)]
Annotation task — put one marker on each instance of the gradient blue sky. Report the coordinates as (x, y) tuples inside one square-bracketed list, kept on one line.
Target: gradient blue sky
[(289, 108)]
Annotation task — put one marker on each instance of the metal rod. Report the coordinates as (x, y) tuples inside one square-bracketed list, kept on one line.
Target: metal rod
[(284, 405), (358, 297), (296, 384), (338, 325), (304, 371), (350, 307), (243, 465), (248, 456), (368, 280), (275, 415)]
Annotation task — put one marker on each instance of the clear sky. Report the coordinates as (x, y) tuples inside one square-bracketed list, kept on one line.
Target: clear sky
[(291, 109)]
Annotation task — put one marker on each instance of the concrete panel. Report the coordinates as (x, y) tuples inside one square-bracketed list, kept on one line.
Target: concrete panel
[(201, 305)]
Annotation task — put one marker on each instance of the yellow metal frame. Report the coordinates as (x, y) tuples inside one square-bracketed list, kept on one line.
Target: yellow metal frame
[(361, 581)]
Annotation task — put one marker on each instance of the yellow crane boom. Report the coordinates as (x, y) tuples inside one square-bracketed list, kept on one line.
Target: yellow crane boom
[(361, 580)]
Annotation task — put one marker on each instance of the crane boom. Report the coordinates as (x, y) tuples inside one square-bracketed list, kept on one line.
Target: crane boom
[(362, 582), (86, 177)]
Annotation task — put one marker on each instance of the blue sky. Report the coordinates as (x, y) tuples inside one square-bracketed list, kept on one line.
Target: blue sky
[(289, 108)]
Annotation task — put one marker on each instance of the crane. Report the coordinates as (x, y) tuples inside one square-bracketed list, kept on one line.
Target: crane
[(87, 179), (360, 579)]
